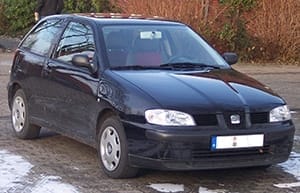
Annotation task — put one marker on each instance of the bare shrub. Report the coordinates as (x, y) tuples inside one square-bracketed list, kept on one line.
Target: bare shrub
[(195, 13), (276, 27)]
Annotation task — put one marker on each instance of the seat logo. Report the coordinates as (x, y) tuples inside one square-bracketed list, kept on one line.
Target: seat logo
[(235, 119)]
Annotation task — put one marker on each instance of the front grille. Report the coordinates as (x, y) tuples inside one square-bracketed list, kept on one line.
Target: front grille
[(206, 119), (187, 151), (258, 118), (241, 125), (200, 153)]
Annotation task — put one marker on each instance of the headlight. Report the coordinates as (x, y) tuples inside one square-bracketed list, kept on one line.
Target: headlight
[(169, 118), (281, 113)]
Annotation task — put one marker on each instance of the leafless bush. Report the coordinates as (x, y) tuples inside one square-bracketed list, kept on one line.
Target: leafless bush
[(196, 13), (276, 26)]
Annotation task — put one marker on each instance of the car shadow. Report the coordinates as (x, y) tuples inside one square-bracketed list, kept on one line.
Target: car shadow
[(46, 133)]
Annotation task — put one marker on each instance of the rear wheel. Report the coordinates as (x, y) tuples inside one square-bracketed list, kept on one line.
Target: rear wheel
[(113, 151), (19, 116)]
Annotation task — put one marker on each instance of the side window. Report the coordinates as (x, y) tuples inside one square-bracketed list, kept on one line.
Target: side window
[(77, 39), (41, 39)]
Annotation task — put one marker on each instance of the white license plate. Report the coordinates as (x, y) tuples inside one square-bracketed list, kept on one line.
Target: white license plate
[(237, 141)]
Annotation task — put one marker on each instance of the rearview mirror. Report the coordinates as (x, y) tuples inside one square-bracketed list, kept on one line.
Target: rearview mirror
[(230, 57), (82, 60)]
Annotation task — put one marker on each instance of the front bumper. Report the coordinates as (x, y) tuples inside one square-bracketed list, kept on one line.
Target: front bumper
[(190, 149)]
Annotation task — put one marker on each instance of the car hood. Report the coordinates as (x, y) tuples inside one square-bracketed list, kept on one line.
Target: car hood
[(209, 91)]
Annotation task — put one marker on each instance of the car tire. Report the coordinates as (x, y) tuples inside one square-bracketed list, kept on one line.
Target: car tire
[(20, 118), (113, 149)]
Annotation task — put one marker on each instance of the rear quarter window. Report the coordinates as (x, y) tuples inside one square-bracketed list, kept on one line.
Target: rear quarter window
[(41, 39)]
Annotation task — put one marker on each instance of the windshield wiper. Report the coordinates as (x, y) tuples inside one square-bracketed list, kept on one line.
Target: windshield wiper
[(168, 66), (187, 65)]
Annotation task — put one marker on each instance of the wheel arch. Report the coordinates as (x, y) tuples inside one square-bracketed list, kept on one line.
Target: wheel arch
[(105, 113), (12, 91)]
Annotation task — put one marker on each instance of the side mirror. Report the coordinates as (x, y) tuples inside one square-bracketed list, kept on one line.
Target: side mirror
[(82, 60), (230, 57)]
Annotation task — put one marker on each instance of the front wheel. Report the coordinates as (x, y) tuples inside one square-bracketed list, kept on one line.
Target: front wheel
[(19, 116), (113, 151)]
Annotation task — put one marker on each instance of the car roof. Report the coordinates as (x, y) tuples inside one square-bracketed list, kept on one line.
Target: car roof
[(121, 19)]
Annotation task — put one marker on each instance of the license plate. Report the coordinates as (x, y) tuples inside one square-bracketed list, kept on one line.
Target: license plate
[(237, 141)]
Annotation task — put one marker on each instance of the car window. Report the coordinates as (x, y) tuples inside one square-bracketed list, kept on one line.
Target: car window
[(77, 39), (41, 39)]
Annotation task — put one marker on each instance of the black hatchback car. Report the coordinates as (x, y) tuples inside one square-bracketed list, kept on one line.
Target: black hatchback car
[(146, 93)]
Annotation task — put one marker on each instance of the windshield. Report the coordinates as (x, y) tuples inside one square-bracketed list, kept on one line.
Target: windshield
[(157, 46)]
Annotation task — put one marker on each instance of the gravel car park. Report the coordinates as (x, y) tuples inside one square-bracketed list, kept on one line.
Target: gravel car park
[(146, 93)]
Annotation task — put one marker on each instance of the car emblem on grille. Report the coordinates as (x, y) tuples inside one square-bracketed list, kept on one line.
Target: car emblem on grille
[(235, 119)]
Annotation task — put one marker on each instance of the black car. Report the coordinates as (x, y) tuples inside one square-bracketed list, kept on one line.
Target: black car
[(147, 93)]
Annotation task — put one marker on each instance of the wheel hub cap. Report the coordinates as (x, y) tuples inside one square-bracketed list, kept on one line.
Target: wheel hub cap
[(110, 148), (18, 114)]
